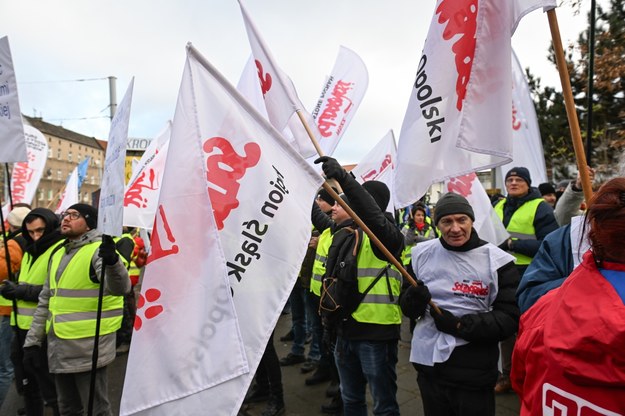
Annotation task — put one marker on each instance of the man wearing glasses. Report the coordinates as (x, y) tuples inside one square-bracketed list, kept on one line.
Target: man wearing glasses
[(67, 311)]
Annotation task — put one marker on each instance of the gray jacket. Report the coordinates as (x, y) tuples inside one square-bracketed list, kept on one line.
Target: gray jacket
[(74, 355)]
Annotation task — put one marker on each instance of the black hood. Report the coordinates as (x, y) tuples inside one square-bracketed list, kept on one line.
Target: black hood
[(50, 236)]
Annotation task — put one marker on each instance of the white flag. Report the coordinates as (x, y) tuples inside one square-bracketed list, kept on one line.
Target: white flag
[(458, 119), (111, 209), (487, 224), (144, 186), (12, 145), (186, 337), (261, 191), (70, 194), (378, 165), (281, 100), (26, 176), (340, 98), (527, 147)]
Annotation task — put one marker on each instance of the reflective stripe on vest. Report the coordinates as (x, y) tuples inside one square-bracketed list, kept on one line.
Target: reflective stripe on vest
[(378, 307), (32, 273), (74, 298), (321, 257), (521, 225)]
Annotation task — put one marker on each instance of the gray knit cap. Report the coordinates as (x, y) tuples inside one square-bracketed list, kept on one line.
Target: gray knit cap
[(452, 203)]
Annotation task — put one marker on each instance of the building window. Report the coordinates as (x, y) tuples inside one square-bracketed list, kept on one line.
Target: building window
[(40, 194), (97, 162), (49, 153), (85, 198), (58, 153), (92, 180), (69, 156), (59, 175), (50, 195)]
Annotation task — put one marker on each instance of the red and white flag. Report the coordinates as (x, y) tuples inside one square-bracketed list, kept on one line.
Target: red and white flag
[(340, 97), (26, 176), (281, 100), (12, 146), (379, 165), (260, 193), (458, 119), (527, 147), (144, 186), (111, 207), (487, 224)]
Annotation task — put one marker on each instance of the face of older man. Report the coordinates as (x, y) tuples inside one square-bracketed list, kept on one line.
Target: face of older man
[(516, 186), (455, 229)]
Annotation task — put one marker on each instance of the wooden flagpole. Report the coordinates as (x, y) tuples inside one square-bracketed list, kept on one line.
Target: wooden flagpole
[(571, 114)]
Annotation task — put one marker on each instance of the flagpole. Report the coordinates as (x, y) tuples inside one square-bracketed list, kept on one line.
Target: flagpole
[(571, 114), (390, 257)]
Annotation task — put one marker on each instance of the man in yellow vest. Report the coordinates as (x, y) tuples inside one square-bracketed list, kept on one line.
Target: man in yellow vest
[(67, 312), (368, 331), (528, 219), (41, 233)]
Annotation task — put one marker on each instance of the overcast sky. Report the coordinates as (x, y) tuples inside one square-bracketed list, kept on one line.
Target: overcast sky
[(56, 42)]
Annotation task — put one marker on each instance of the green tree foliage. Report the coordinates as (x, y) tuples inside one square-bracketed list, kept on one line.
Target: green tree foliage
[(608, 141)]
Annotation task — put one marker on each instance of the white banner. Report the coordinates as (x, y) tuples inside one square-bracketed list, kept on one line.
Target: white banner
[(527, 147), (281, 100), (379, 165), (340, 98), (70, 194), (111, 209), (458, 119), (260, 191), (12, 145), (487, 224), (25, 176), (144, 186)]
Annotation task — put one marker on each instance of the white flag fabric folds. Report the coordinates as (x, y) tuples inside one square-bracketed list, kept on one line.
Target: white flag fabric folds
[(12, 146), (281, 100), (527, 147), (111, 208), (144, 186), (379, 165), (340, 97), (487, 224), (26, 175), (261, 191), (70, 194), (458, 118)]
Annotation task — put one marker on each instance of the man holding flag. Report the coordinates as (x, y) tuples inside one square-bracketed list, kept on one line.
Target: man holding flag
[(67, 311)]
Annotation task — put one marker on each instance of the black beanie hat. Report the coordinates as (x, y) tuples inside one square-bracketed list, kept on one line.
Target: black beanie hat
[(522, 173), (546, 189), (89, 213), (379, 191), (325, 195), (452, 203)]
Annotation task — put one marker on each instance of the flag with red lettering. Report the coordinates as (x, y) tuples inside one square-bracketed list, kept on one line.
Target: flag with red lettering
[(144, 186), (458, 118), (487, 224), (186, 337), (111, 207), (340, 97), (281, 100), (261, 191), (26, 175), (378, 165), (70, 194), (12, 146), (527, 146)]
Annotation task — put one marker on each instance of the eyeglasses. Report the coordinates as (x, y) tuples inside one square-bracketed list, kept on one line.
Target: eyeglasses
[(74, 215)]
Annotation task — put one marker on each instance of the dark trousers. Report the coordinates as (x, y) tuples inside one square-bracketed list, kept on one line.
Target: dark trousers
[(442, 400), (269, 375)]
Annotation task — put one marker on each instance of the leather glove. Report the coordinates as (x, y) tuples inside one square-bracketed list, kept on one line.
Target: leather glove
[(445, 321), (108, 251), (331, 168), (32, 357), (414, 301), (8, 289)]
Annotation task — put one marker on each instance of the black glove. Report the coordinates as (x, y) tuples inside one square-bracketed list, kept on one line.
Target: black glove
[(331, 168), (445, 321), (414, 301), (32, 358), (108, 251), (504, 246), (8, 289)]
